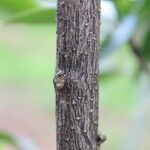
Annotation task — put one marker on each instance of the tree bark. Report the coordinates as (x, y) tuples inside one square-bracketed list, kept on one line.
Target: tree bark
[(76, 76)]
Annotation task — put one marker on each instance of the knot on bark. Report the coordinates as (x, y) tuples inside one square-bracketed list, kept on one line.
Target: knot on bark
[(100, 139), (60, 79)]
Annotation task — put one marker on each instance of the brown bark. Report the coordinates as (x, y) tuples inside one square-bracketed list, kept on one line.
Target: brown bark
[(76, 78)]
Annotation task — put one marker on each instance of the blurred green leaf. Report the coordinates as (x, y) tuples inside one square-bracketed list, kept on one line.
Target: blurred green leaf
[(123, 7), (145, 12), (9, 8), (27, 11), (7, 138), (17, 5), (146, 46), (37, 15), (19, 142)]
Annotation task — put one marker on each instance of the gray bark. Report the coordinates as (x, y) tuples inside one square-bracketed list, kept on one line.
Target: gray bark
[(76, 77)]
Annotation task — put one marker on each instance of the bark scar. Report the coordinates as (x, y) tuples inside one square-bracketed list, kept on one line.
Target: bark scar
[(60, 79)]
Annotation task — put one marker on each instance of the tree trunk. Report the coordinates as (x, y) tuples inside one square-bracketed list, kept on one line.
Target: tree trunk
[(76, 78)]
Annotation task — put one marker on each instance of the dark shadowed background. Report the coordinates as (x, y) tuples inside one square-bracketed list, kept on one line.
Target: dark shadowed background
[(27, 65)]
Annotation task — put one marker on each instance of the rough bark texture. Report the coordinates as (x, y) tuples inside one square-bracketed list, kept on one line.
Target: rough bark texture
[(76, 78)]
